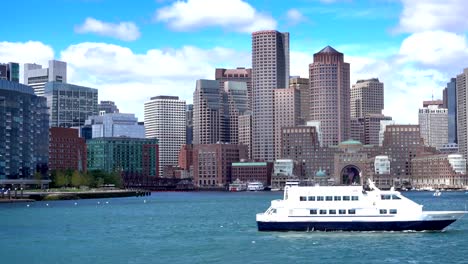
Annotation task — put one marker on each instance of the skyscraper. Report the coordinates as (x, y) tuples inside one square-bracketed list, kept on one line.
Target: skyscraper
[(238, 105), (189, 124), (302, 84), (209, 117), (330, 95), (287, 113), (165, 120), (239, 74), (462, 115), (36, 76), (70, 105), (451, 101), (433, 124), (9, 71), (270, 70), (367, 97)]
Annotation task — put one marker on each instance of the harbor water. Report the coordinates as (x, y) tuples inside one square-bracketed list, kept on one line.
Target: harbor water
[(209, 227)]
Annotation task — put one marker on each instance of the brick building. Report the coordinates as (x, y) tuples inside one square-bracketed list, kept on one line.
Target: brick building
[(439, 171), (252, 171), (66, 149)]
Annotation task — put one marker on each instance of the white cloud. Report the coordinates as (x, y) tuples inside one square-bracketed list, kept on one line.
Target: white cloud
[(422, 15), (126, 31), (130, 79), (294, 16), (232, 15)]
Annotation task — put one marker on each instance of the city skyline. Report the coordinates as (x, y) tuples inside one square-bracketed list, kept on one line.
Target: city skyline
[(414, 48)]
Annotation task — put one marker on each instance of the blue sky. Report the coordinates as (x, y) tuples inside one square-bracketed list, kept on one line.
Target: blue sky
[(161, 46)]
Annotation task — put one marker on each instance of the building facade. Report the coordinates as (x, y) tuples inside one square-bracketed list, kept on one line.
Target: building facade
[(185, 157), (189, 124), (212, 164), (107, 107), (367, 97), (9, 72), (451, 104), (367, 129), (245, 132), (115, 125), (37, 77), (252, 172), (237, 100), (24, 130), (439, 171), (165, 120), (433, 124), (330, 95), (210, 120), (287, 113), (462, 112), (239, 74), (67, 151), (270, 70), (302, 84), (125, 155), (70, 105)]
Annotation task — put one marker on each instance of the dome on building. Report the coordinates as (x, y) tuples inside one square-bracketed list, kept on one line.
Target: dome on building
[(320, 173), (350, 146)]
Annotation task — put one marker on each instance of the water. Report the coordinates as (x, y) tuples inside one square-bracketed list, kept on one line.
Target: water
[(208, 228)]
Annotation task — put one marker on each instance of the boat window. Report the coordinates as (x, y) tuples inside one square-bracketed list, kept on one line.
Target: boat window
[(385, 197), (313, 211), (355, 198), (273, 211), (345, 198), (393, 211), (395, 197), (383, 211), (342, 211), (311, 198), (329, 198), (302, 198), (332, 211), (337, 198), (319, 198), (351, 211), (323, 211)]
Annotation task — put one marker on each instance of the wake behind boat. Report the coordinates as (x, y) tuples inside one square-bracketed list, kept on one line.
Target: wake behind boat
[(350, 208)]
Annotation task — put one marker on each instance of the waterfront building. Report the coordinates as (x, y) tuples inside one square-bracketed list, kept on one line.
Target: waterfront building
[(67, 151), (330, 95), (9, 71), (37, 77), (433, 124), (367, 97), (165, 120), (287, 113), (252, 172), (239, 74), (185, 160), (439, 171), (189, 124), (108, 107), (137, 156), (462, 112), (302, 84), (245, 131), (212, 164), (285, 170), (115, 125), (270, 70), (210, 120), (381, 169), (24, 134), (237, 101), (451, 105), (69, 105)]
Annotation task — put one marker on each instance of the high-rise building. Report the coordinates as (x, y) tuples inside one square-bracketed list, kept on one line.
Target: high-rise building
[(115, 125), (238, 104), (451, 102), (165, 120), (366, 129), (137, 156), (330, 95), (383, 127), (37, 77), (270, 70), (287, 113), (367, 97), (107, 107), (9, 71), (210, 123), (433, 124), (70, 105), (245, 132), (189, 124), (302, 84), (462, 112), (239, 74), (24, 134), (67, 151)]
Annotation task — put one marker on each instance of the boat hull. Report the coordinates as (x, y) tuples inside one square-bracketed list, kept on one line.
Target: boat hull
[(423, 225)]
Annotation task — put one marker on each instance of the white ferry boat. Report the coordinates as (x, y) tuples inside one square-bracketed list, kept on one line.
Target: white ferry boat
[(350, 208), (255, 186), (237, 186)]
